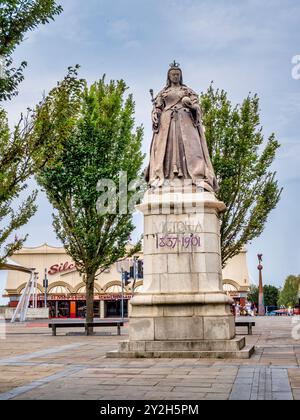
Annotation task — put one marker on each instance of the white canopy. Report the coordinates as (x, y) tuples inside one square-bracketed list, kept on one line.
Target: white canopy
[(11, 265)]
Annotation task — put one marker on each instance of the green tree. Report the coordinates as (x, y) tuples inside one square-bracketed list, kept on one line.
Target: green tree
[(290, 292), (23, 150), (242, 160), (253, 294), (17, 17), (16, 166), (100, 144), (271, 295)]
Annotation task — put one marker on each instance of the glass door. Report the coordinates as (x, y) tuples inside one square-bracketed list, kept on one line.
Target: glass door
[(63, 309)]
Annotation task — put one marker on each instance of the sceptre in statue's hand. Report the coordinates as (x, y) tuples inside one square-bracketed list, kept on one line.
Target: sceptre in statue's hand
[(152, 95), (155, 113)]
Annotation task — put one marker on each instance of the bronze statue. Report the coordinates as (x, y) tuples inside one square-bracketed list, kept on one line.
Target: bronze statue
[(179, 149)]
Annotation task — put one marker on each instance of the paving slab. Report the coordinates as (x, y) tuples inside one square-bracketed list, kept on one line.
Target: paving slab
[(35, 365)]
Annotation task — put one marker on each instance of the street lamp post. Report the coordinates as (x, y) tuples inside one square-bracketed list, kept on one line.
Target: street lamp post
[(135, 273), (122, 298), (122, 268), (45, 285), (261, 306)]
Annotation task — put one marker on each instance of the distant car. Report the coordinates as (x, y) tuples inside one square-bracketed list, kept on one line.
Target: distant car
[(271, 310), (272, 313)]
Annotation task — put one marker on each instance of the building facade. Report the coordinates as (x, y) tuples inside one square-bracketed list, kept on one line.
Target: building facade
[(66, 288)]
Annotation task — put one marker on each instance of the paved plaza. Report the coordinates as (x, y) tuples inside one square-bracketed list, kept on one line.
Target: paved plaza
[(35, 365)]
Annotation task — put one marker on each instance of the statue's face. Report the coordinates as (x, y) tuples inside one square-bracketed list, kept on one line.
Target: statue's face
[(175, 75)]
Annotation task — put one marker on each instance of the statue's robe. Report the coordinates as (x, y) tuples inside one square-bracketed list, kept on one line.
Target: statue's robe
[(179, 147)]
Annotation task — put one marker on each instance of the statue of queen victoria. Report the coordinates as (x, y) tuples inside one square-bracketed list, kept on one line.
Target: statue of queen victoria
[(179, 149)]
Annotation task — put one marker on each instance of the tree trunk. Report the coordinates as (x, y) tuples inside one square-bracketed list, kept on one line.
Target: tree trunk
[(90, 301)]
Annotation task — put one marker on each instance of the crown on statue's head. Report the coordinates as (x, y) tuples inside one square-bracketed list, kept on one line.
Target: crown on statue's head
[(174, 65)]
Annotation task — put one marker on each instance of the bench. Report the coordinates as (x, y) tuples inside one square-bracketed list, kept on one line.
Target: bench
[(77, 324), (248, 324)]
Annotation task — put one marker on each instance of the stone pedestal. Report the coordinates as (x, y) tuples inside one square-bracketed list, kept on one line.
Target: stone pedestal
[(182, 310)]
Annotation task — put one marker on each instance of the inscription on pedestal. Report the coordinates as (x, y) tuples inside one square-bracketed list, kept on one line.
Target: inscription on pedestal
[(184, 241), (182, 227)]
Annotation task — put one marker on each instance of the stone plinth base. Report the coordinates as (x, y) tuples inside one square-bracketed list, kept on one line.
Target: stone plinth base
[(182, 310), (181, 316), (217, 349)]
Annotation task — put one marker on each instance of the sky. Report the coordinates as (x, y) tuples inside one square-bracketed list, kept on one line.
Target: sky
[(243, 47)]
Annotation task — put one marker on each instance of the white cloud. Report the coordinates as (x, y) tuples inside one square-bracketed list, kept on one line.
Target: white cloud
[(222, 24)]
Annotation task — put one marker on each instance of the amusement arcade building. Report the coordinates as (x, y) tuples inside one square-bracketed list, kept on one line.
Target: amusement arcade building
[(66, 288)]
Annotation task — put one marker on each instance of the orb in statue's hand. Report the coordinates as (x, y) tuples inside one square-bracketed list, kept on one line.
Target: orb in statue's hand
[(186, 102)]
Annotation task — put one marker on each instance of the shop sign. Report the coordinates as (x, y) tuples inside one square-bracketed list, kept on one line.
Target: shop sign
[(233, 294), (83, 297), (60, 268), (115, 297)]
